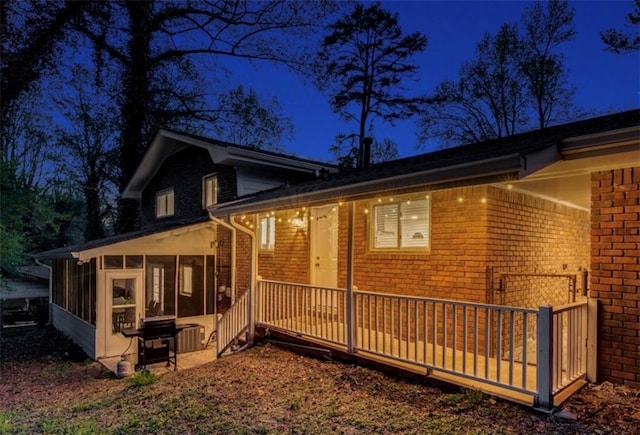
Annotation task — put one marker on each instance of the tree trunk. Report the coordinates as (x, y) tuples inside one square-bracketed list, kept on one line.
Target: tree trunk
[(133, 109)]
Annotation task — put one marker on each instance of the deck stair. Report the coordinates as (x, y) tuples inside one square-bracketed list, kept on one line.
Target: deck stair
[(233, 326)]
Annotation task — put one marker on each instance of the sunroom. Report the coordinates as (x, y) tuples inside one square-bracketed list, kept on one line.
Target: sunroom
[(106, 286)]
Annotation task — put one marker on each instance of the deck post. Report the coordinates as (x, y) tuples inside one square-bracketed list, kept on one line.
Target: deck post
[(544, 363), (592, 340), (350, 324)]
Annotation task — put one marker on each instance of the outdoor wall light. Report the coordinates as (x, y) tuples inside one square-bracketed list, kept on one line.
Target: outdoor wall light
[(298, 222)]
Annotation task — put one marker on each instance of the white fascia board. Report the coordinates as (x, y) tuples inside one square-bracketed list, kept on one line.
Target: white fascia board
[(113, 247), (253, 157)]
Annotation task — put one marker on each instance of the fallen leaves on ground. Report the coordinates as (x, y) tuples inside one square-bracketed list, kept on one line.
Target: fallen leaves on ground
[(47, 386)]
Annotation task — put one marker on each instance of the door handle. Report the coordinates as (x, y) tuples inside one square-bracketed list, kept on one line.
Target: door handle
[(317, 264)]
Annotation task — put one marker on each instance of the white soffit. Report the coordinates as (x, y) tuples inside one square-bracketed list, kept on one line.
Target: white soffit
[(569, 181)]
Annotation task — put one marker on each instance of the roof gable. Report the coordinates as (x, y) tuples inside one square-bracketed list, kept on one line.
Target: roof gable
[(168, 142)]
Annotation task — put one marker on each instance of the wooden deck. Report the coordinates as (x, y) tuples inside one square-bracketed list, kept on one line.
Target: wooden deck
[(509, 380)]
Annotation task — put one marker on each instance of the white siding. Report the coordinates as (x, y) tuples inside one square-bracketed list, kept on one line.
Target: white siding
[(79, 331), (249, 182)]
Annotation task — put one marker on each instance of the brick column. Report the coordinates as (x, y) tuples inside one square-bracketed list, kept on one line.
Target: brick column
[(615, 272)]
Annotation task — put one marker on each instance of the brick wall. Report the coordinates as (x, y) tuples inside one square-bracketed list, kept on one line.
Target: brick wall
[(289, 261), (183, 172), (527, 234), (615, 276), (471, 228), (454, 266)]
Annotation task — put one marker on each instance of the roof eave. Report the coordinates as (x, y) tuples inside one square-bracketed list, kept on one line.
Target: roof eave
[(62, 255), (502, 168), (607, 142)]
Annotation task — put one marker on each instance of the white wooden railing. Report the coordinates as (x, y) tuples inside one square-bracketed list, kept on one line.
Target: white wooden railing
[(232, 324), (562, 346), (480, 341), (536, 352), (314, 311)]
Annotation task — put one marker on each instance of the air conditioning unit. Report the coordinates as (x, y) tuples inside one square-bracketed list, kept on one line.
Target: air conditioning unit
[(191, 338)]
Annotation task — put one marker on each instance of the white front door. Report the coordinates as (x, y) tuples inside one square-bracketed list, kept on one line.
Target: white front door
[(324, 246), (125, 308)]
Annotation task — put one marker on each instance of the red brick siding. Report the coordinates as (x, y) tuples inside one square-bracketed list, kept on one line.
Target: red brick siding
[(615, 276), (453, 267), (289, 261), (527, 234)]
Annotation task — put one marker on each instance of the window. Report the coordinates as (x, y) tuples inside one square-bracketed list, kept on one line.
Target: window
[(209, 190), (186, 280), (116, 262), (164, 203), (403, 224), (267, 232), (113, 262)]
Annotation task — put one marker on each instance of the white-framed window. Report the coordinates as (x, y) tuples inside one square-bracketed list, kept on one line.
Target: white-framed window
[(164, 203), (267, 232), (186, 280), (403, 224), (209, 190)]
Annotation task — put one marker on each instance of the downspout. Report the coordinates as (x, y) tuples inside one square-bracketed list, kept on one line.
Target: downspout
[(233, 227), (50, 269), (233, 247), (253, 270)]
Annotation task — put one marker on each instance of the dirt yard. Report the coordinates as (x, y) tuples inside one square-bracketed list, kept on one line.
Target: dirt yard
[(46, 386)]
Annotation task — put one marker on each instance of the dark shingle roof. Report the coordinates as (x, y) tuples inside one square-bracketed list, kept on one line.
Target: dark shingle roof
[(443, 165)]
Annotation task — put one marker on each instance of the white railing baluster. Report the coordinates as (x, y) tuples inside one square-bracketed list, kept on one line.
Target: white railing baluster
[(417, 331), (464, 340), (499, 345), (434, 332), (424, 324), (475, 341), (487, 343), (511, 346), (525, 349)]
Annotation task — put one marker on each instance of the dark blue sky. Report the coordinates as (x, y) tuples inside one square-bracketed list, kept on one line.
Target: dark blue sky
[(604, 82)]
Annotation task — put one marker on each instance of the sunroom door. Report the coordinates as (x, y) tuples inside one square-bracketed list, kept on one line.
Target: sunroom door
[(125, 307)]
